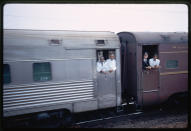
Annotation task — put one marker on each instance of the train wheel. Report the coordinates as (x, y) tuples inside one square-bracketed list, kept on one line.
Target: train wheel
[(176, 102), (67, 119)]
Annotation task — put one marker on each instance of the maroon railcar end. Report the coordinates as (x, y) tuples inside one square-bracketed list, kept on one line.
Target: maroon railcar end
[(150, 87)]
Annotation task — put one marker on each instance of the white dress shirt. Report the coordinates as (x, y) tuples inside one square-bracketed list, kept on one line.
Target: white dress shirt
[(111, 64), (154, 63), (101, 66)]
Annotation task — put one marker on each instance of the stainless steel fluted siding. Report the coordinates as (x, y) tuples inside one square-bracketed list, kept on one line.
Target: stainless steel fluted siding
[(24, 96)]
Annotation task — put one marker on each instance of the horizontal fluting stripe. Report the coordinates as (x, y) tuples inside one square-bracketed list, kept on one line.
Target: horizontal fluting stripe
[(47, 101), (20, 97), (43, 104), (37, 91), (47, 98), (47, 87)]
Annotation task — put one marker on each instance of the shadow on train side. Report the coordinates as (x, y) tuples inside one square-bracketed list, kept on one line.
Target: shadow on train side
[(50, 119), (50, 75)]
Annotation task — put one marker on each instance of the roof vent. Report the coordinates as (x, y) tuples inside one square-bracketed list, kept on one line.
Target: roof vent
[(55, 42), (165, 37), (100, 42)]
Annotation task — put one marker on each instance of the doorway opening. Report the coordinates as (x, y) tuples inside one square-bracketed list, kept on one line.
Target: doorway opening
[(150, 49)]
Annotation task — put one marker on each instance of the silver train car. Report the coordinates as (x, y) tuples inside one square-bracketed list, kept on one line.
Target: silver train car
[(50, 70)]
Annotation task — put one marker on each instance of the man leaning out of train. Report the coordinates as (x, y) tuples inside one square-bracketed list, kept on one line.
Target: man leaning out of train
[(101, 65), (111, 63), (154, 62), (146, 65)]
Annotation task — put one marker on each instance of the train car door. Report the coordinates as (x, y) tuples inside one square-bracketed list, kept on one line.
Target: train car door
[(106, 82), (150, 79)]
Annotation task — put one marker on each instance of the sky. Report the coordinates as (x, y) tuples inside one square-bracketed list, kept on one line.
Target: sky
[(97, 17)]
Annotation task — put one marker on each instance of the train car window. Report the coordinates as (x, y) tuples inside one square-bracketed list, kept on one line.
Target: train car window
[(104, 53), (6, 74), (151, 50), (172, 64), (42, 71), (104, 66)]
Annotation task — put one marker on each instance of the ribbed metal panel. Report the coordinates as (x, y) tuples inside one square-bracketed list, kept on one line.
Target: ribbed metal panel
[(22, 96)]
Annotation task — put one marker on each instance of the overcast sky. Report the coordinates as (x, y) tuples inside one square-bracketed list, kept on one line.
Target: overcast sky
[(97, 17)]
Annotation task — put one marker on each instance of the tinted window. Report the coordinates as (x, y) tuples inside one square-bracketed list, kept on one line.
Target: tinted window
[(172, 64), (42, 71), (6, 74)]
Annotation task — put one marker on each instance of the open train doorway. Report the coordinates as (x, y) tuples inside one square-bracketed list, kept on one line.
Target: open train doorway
[(106, 82), (150, 78)]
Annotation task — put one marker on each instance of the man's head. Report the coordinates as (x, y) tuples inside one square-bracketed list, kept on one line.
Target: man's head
[(145, 55), (112, 56), (102, 59), (155, 56)]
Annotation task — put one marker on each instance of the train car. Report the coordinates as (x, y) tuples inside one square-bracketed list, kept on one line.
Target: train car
[(56, 70), (150, 87), (48, 73)]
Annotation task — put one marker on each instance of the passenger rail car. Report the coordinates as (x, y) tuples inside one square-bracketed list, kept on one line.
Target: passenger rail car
[(56, 70), (49, 70), (150, 87)]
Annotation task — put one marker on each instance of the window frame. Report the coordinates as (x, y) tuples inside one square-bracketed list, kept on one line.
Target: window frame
[(166, 64), (34, 73)]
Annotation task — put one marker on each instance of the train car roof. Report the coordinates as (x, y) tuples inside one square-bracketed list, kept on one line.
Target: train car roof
[(61, 33), (156, 37), (68, 39)]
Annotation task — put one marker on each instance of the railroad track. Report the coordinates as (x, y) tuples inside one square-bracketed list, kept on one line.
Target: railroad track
[(107, 118), (99, 118), (139, 114)]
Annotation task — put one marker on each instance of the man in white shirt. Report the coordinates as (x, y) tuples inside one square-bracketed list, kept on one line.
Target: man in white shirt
[(111, 63), (154, 62), (101, 65)]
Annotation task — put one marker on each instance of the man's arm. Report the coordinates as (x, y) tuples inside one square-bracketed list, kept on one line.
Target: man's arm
[(144, 65), (98, 67), (150, 62), (112, 66), (158, 64), (115, 66)]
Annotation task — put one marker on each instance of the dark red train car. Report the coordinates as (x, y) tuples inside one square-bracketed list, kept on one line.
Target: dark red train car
[(150, 87)]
